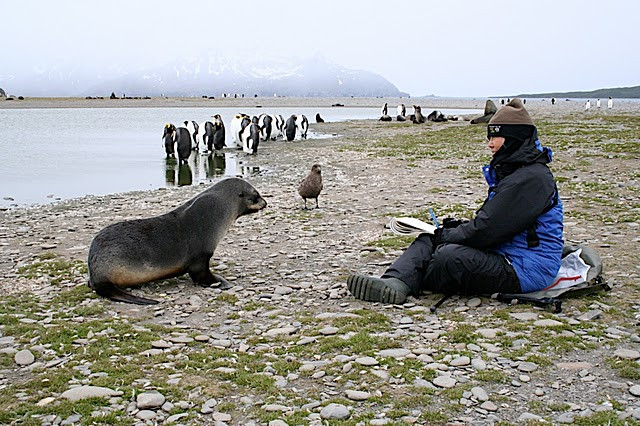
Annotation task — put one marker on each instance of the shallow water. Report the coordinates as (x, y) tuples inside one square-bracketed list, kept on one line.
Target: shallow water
[(61, 153)]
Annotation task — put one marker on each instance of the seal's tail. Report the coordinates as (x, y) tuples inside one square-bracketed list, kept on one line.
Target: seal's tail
[(114, 293)]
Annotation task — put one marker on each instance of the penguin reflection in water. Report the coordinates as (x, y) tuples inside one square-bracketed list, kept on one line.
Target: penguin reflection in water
[(311, 185)]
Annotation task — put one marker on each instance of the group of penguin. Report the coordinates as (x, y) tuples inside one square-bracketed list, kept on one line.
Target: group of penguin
[(416, 117), (246, 133)]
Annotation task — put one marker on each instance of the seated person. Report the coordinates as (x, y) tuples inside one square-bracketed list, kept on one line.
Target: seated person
[(512, 245)]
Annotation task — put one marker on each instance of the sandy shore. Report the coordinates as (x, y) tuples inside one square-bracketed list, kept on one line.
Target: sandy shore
[(427, 103)]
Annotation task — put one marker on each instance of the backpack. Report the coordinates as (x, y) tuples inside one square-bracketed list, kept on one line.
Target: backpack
[(580, 274)]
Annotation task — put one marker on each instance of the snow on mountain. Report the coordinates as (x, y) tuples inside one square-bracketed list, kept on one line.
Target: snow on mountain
[(200, 76)]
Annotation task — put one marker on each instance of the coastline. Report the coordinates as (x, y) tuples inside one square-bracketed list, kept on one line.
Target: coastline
[(285, 102)]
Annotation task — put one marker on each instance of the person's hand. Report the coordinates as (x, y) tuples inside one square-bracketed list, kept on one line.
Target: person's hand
[(437, 237), (450, 222)]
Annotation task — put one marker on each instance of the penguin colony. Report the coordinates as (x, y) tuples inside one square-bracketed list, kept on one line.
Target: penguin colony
[(246, 133)]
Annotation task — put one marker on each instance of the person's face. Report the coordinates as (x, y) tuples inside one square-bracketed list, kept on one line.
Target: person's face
[(495, 143)]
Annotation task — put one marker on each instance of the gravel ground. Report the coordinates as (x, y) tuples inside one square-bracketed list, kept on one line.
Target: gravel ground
[(316, 354)]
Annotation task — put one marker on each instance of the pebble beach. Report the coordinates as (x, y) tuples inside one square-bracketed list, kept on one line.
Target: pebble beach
[(288, 344)]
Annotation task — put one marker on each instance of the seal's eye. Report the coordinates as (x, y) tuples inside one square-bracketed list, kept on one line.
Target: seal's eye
[(241, 195)]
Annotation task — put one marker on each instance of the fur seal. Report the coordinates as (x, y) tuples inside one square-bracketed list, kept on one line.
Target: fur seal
[(489, 109), (183, 240), (417, 118), (311, 186), (385, 118)]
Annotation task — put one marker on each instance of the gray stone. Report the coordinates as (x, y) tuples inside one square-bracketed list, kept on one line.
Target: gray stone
[(527, 367), (151, 399), (627, 354), (82, 392), (146, 415), (474, 302), (479, 364), (335, 412), (635, 390), (444, 381), (565, 418), (547, 322), (525, 417), (176, 417), (524, 316), (489, 406), (329, 331), (275, 407), (24, 357), (590, 316), (367, 360), (394, 353), (221, 417), (356, 395), (479, 394), (278, 423), (280, 331), (488, 333), (460, 361)]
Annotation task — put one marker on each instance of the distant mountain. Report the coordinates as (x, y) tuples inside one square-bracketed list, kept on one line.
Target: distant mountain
[(617, 92), (210, 76)]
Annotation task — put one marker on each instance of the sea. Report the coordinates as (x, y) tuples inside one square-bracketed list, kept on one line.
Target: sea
[(52, 154)]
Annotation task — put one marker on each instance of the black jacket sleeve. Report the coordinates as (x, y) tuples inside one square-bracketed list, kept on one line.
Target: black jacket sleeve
[(518, 201)]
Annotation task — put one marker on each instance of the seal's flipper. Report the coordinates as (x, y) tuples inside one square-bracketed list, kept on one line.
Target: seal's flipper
[(112, 292), (224, 284)]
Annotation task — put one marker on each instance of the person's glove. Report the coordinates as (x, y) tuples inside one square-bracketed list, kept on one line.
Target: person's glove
[(437, 237), (450, 222)]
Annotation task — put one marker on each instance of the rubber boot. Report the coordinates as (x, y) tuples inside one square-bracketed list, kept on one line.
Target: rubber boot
[(372, 289)]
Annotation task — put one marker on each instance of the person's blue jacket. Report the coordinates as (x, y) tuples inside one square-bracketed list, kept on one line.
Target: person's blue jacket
[(522, 217)]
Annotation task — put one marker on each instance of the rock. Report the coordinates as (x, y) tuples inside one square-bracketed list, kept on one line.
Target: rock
[(479, 394), (280, 331), (635, 390), (45, 401), (525, 417), (488, 333), (620, 353), (24, 357), (547, 323), (161, 344), (367, 360), (394, 353), (329, 331), (357, 395), (444, 382), (176, 417), (278, 423), (590, 316), (524, 316), (574, 365), (335, 412), (527, 367), (565, 418), (479, 364), (460, 361), (82, 392), (149, 400), (221, 417), (275, 407), (146, 415), (474, 302), (489, 406)]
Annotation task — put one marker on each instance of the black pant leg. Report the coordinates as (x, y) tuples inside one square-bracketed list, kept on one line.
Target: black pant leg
[(458, 269), (411, 266)]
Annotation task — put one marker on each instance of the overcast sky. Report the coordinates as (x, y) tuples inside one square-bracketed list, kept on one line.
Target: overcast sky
[(447, 48)]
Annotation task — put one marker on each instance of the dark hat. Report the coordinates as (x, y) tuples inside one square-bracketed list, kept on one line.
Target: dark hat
[(512, 120)]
